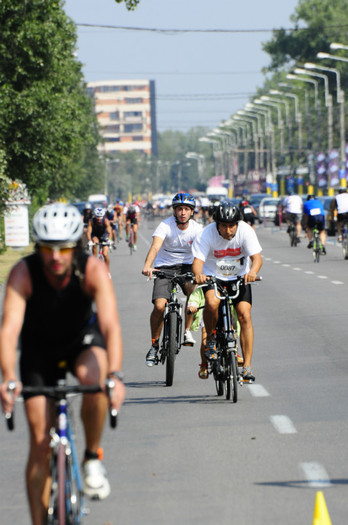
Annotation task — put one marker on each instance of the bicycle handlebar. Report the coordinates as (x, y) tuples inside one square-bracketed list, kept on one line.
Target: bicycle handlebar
[(214, 280), (162, 274), (59, 392)]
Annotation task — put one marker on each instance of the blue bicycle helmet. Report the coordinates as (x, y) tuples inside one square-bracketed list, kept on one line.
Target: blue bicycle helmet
[(184, 199)]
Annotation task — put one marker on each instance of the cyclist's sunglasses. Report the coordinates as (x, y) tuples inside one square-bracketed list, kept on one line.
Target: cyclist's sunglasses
[(63, 249)]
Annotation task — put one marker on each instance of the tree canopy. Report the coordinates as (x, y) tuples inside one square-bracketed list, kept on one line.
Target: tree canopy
[(47, 124), (317, 23)]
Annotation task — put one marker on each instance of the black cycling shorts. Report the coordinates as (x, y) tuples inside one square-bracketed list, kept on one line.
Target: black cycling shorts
[(342, 217), (162, 287), (44, 366), (316, 220), (244, 291), (249, 218)]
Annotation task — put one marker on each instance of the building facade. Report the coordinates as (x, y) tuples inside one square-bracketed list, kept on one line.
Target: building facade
[(126, 111)]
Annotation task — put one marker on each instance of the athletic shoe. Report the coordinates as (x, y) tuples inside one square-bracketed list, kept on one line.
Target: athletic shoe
[(210, 350), (323, 250), (95, 482), (203, 371), (151, 356), (135, 247), (247, 374), (310, 244), (188, 339)]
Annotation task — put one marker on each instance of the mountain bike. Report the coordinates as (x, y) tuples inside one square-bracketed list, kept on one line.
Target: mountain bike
[(317, 246), (225, 368), (345, 239), (66, 501), (131, 239), (172, 324)]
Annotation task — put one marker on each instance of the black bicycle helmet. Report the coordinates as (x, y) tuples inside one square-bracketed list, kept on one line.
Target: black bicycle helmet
[(226, 212)]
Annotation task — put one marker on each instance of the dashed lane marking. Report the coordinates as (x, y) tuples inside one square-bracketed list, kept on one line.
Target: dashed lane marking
[(315, 474), (283, 424), (257, 390), (298, 269)]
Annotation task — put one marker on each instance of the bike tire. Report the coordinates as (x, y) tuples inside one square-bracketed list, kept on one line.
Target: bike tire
[(219, 387), (227, 365), (131, 242), (234, 372), (171, 347), (52, 504), (219, 383), (345, 248), (61, 475)]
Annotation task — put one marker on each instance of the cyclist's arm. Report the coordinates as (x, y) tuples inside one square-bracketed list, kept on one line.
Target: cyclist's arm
[(151, 256), (108, 228), (197, 269), (99, 286), (256, 263), (17, 291), (89, 230)]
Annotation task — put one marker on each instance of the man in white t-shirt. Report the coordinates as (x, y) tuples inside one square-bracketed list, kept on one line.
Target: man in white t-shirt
[(228, 248), (171, 250), (340, 203), (293, 206)]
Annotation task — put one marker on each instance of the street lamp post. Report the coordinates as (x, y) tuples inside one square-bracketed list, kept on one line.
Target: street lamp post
[(340, 100), (271, 131), (298, 116), (268, 101), (259, 139), (315, 83)]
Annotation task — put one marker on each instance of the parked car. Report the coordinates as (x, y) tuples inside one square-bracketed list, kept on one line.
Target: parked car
[(79, 205), (268, 208), (255, 200)]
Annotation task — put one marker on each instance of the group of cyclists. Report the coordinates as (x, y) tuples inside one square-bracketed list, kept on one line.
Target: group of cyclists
[(311, 214), (101, 224), (61, 304)]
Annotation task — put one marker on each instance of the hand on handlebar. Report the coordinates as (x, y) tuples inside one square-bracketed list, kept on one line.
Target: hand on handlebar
[(9, 391), (200, 278), (148, 271)]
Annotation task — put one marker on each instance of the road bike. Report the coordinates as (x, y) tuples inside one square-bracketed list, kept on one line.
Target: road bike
[(172, 324), (345, 239), (225, 369), (100, 245), (292, 234), (317, 246), (131, 239), (66, 501)]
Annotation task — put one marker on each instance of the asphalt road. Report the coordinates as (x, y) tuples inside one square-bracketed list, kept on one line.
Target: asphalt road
[(181, 454)]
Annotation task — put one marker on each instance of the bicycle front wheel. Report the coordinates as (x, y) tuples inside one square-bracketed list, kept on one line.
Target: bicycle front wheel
[(61, 475), (171, 347), (73, 493)]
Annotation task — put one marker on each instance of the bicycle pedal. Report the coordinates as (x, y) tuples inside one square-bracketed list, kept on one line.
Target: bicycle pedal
[(187, 344), (250, 381)]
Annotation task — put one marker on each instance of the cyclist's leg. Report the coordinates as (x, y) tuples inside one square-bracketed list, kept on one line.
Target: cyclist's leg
[(127, 229), (95, 247), (156, 317), (210, 312), (39, 413), (91, 367), (106, 256), (135, 229), (243, 308)]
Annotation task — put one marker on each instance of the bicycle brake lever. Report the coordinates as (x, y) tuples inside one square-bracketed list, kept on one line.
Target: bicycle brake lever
[(9, 416), (110, 385)]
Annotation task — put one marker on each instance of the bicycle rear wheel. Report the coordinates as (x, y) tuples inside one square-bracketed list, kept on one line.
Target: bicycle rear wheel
[(131, 241), (171, 347), (219, 383), (345, 247)]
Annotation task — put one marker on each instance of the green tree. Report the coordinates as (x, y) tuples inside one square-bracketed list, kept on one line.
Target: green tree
[(130, 4), (316, 24), (47, 124)]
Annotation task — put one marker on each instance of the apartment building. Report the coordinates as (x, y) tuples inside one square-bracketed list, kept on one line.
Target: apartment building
[(126, 111)]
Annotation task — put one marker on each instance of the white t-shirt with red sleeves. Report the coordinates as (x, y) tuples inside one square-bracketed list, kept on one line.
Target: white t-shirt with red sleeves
[(177, 244), (226, 259)]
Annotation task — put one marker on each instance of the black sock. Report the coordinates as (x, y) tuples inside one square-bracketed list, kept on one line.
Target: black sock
[(90, 455)]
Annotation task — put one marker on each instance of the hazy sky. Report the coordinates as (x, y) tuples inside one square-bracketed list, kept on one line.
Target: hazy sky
[(201, 78)]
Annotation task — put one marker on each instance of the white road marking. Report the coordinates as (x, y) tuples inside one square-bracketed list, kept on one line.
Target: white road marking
[(276, 262), (257, 390), (297, 269), (337, 282), (315, 474), (286, 265), (309, 272), (322, 276), (283, 424)]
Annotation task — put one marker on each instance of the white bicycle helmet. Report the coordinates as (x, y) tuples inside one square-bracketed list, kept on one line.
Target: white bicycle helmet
[(57, 222), (99, 212)]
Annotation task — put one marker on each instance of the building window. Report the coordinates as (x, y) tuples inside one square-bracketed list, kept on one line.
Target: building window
[(130, 114), (138, 138), (130, 128), (114, 128), (114, 115), (133, 100)]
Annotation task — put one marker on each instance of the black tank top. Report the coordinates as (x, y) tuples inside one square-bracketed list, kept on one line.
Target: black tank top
[(54, 318)]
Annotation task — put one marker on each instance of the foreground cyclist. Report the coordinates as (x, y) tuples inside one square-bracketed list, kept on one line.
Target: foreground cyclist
[(48, 304), (228, 248), (171, 250), (340, 204)]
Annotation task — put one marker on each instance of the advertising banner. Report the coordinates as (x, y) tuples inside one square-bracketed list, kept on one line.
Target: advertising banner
[(17, 226)]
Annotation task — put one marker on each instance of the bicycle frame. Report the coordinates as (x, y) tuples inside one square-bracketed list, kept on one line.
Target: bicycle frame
[(317, 247), (131, 238)]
